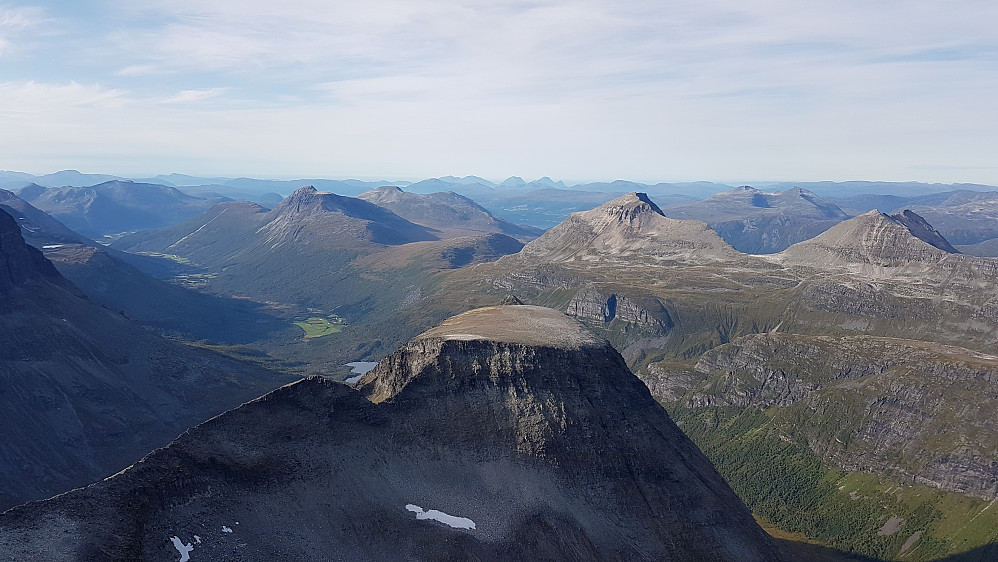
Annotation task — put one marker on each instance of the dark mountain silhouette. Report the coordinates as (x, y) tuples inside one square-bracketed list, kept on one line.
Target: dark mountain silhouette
[(504, 433), (85, 391)]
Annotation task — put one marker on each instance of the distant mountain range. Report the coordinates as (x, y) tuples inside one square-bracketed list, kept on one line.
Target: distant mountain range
[(115, 206), (758, 222)]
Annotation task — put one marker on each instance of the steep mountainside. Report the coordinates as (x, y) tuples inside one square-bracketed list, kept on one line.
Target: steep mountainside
[(39, 228), (86, 392), (758, 222), (116, 206), (107, 279), (505, 433), (445, 211), (890, 438)]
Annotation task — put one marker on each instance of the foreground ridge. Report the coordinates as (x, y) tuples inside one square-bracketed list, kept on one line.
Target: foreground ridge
[(483, 438)]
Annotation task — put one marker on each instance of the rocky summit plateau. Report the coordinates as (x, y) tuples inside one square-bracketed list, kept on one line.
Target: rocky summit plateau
[(504, 433)]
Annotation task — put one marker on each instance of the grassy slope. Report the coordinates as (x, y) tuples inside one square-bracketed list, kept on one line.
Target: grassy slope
[(784, 482)]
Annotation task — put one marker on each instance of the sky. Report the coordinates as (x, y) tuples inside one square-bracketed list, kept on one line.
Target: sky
[(578, 90)]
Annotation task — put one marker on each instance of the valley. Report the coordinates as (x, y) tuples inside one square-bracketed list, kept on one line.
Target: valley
[(838, 371)]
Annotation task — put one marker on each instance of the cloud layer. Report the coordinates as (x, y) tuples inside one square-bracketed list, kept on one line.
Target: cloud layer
[(584, 89)]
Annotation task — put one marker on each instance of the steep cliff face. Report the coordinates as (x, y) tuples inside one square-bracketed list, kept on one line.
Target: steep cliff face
[(914, 411), (20, 263), (599, 307), (504, 433)]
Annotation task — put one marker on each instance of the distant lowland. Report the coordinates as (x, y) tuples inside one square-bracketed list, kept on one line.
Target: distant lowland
[(243, 369)]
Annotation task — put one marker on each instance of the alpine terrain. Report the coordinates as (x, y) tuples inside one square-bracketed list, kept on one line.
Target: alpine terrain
[(506, 432)]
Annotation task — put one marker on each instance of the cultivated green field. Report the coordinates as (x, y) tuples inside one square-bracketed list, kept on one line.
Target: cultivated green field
[(317, 326), (178, 259)]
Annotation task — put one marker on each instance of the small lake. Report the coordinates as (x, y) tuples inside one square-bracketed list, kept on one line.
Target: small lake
[(361, 368)]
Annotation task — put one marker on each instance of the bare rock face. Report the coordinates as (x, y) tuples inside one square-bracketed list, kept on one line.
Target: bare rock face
[(505, 433), (602, 307)]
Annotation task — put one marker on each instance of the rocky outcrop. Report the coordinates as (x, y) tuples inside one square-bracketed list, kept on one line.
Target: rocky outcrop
[(909, 410), (646, 313), (504, 433), (19, 262)]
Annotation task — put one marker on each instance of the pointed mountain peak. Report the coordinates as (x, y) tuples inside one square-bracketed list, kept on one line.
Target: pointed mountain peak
[(801, 192), (629, 206), (301, 199), (630, 225), (875, 238)]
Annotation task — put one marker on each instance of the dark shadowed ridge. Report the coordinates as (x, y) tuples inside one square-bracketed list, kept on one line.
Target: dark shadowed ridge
[(86, 392), (514, 420)]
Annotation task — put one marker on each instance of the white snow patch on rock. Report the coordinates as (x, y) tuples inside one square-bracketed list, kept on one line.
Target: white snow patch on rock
[(183, 549), (451, 520), (226, 529)]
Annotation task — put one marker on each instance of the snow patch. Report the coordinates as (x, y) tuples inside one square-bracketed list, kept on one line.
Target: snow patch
[(227, 529), (52, 246), (183, 549), (451, 520)]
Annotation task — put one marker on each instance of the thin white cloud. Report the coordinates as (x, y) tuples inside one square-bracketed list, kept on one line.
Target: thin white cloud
[(34, 97), (194, 96), (15, 25), (139, 70)]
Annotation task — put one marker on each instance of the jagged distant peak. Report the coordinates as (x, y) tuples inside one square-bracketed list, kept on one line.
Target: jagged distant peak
[(798, 191)]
